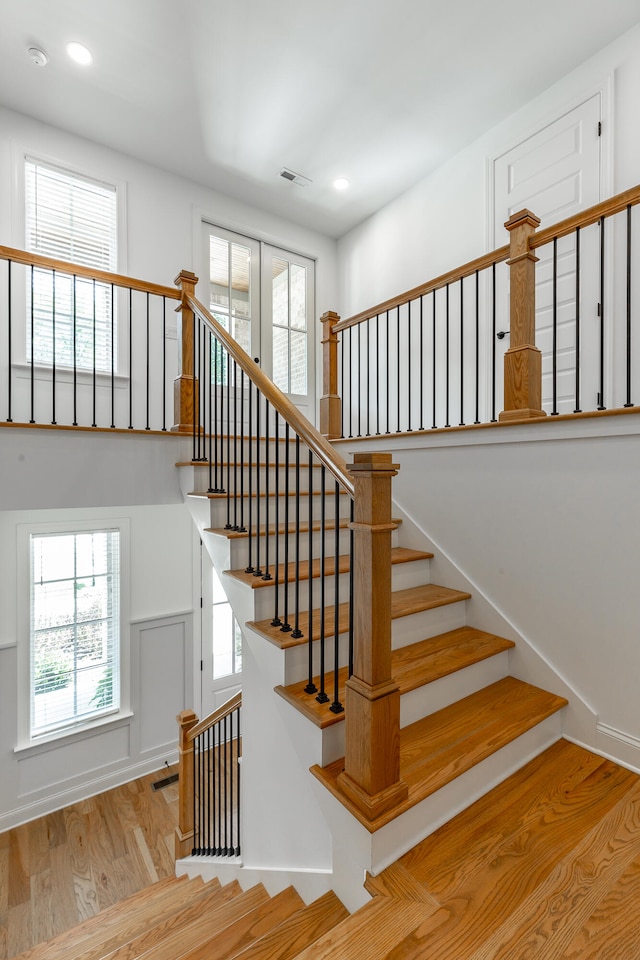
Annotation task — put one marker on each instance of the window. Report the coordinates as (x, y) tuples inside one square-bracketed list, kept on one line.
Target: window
[(227, 636), (74, 628), (69, 217), (289, 313)]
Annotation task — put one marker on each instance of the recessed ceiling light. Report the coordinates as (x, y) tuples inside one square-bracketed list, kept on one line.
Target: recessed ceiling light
[(38, 56), (341, 183), (79, 53)]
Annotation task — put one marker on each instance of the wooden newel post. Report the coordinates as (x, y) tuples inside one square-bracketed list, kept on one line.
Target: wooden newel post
[(371, 778), (185, 829), (330, 403), (523, 360), (185, 386)]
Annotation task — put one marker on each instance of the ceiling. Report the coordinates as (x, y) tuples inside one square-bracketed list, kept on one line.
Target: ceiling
[(379, 91)]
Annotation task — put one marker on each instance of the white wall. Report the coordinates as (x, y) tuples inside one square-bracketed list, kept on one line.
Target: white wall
[(541, 520), (442, 221), (71, 476), (163, 210)]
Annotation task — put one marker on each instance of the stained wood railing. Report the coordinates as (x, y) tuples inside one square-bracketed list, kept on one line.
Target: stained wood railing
[(430, 358)]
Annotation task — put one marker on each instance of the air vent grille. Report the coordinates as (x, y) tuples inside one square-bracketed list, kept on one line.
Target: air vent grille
[(294, 177)]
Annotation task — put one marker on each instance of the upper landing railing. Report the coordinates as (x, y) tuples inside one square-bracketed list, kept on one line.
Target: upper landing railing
[(565, 301)]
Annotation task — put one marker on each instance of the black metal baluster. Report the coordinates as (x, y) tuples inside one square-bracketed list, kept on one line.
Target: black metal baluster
[(94, 424), (131, 365), (601, 405), (235, 445), (297, 633), (232, 769), (249, 567), (377, 374), (461, 352), (493, 343), (196, 335), (113, 360), (217, 432), (53, 358), (368, 380), (196, 794), (409, 365), (398, 366), (9, 324), (208, 406), (147, 427), (230, 491), (359, 384), (310, 687), (277, 622), (336, 706), (32, 417), (164, 364), (242, 528), (286, 626), (257, 572), (578, 318), (342, 390), (420, 357), (75, 368), (218, 846), (238, 773), (225, 782), (267, 575), (554, 341), (446, 362), (477, 419), (387, 369), (628, 402), (322, 695), (433, 361)]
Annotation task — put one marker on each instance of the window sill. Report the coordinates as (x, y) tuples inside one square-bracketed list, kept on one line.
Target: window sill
[(73, 734), (66, 375)]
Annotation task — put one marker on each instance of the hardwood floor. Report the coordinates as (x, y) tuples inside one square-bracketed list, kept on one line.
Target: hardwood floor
[(66, 867)]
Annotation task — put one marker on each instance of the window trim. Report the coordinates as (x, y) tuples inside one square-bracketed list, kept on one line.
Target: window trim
[(21, 152), (25, 531)]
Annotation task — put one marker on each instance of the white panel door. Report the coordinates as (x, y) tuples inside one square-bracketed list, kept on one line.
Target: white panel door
[(555, 173)]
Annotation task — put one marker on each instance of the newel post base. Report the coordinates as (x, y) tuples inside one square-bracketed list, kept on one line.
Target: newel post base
[(523, 360), (185, 830), (330, 402), (371, 777), (185, 386)]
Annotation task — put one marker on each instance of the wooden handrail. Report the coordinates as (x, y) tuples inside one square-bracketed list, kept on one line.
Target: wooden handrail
[(467, 270), (279, 401), (76, 270), (586, 218), (224, 711)]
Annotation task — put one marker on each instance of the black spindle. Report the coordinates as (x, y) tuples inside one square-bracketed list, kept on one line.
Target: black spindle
[(53, 336), (9, 325), (297, 632), (322, 695), (336, 706), (577, 406), (310, 687), (554, 342), (601, 405), (628, 401)]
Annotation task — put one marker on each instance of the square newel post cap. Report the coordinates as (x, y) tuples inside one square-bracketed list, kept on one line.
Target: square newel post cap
[(522, 217), (184, 277), (373, 463)]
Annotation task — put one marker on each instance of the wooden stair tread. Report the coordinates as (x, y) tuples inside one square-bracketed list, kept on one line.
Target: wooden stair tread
[(412, 666), (403, 604), (288, 574), (438, 748), (298, 931), (231, 939), (371, 932), (158, 899), (209, 925), (152, 934)]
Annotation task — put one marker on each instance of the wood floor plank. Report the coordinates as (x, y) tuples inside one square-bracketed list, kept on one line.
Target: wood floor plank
[(544, 924), (612, 931), (396, 881)]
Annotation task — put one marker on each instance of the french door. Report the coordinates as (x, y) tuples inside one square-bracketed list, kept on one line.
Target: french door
[(265, 297)]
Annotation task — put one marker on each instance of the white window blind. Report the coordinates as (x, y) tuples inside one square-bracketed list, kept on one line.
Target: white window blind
[(75, 628), (72, 218)]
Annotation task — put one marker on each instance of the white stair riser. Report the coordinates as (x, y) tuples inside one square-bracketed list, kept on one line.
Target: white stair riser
[(426, 700), (263, 510), (428, 623), (239, 547)]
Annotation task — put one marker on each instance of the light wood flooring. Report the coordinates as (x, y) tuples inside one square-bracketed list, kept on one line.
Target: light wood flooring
[(69, 865)]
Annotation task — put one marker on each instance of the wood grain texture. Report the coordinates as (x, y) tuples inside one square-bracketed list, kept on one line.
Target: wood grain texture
[(440, 747), (72, 864)]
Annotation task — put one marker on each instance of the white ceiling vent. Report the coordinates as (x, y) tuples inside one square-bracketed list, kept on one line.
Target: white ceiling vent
[(294, 177)]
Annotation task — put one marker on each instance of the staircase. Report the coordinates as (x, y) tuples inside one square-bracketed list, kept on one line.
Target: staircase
[(466, 724)]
